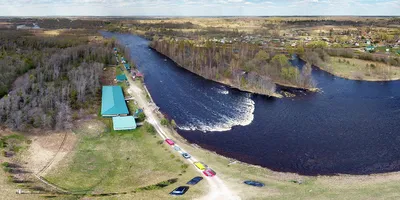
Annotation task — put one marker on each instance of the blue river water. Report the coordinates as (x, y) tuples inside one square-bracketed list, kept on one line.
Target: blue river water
[(351, 127)]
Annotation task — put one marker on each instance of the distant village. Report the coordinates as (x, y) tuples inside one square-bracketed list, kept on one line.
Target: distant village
[(362, 41)]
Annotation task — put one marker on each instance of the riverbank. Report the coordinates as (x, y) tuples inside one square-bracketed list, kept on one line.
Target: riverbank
[(226, 82), (356, 69), (281, 186), (253, 90)]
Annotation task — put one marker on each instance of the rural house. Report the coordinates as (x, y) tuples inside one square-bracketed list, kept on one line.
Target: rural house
[(121, 78), (124, 123), (113, 102), (369, 48)]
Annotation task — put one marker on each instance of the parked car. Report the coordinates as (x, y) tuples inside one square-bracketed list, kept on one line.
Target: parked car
[(195, 180), (209, 172), (200, 165), (186, 155), (170, 142), (177, 148), (179, 190), (254, 183)]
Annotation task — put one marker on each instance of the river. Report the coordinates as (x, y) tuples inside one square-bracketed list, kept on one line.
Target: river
[(351, 127)]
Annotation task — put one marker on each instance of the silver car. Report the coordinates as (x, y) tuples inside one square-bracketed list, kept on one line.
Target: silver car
[(186, 155), (177, 148)]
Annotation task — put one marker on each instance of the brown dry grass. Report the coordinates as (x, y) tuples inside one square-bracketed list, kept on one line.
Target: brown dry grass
[(357, 69), (46, 150)]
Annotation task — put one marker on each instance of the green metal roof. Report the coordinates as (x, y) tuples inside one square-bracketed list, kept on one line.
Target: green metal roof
[(121, 77), (113, 101), (127, 66), (124, 123)]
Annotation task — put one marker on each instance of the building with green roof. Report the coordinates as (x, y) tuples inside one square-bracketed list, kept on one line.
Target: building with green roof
[(127, 66), (113, 102), (121, 78), (124, 123), (370, 48)]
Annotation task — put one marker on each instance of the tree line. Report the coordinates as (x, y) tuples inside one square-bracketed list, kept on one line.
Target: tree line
[(244, 66), (58, 81), (21, 51)]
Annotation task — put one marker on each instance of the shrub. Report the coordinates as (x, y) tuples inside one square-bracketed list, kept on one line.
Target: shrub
[(5, 164), (149, 128), (141, 116), (164, 122), (173, 124), (184, 166), (373, 65), (3, 143)]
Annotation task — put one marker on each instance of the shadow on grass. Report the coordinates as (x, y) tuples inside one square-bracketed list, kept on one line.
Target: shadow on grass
[(157, 186)]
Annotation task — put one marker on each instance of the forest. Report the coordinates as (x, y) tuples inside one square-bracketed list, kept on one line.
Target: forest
[(44, 79), (244, 66)]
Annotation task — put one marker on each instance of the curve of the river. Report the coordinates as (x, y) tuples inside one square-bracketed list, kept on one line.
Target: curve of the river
[(351, 127)]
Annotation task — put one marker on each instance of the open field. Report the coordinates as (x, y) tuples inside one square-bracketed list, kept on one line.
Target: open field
[(121, 162), (357, 69)]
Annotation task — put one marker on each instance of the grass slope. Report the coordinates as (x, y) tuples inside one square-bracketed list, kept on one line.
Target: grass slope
[(122, 162)]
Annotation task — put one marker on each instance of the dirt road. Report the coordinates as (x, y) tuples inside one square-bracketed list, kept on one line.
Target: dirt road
[(217, 188)]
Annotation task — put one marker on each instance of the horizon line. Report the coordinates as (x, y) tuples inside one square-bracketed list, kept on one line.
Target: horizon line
[(24, 16)]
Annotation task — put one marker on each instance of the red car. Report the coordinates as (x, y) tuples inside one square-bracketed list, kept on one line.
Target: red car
[(169, 141), (209, 172)]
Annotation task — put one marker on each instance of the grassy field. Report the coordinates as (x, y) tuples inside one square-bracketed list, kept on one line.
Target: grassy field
[(122, 162), (357, 69)]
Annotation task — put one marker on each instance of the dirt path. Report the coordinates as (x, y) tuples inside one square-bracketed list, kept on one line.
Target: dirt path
[(217, 188), (47, 150)]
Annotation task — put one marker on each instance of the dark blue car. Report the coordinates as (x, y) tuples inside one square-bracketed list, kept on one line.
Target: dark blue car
[(179, 191), (195, 180), (254, 183)]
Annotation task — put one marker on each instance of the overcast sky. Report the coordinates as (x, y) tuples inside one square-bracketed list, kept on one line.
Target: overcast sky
[(197, 7)]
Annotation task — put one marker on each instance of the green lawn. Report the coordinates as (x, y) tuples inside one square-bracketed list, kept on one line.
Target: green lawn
[(118, 70), (121, 162), (357, 69)]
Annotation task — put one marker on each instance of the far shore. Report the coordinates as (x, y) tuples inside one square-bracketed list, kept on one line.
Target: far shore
[(227, 83), (358, 70), (358, 79)]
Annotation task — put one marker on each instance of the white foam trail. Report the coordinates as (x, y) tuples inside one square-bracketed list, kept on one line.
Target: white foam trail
[(243, 117), (225, 92), (221, 91)]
